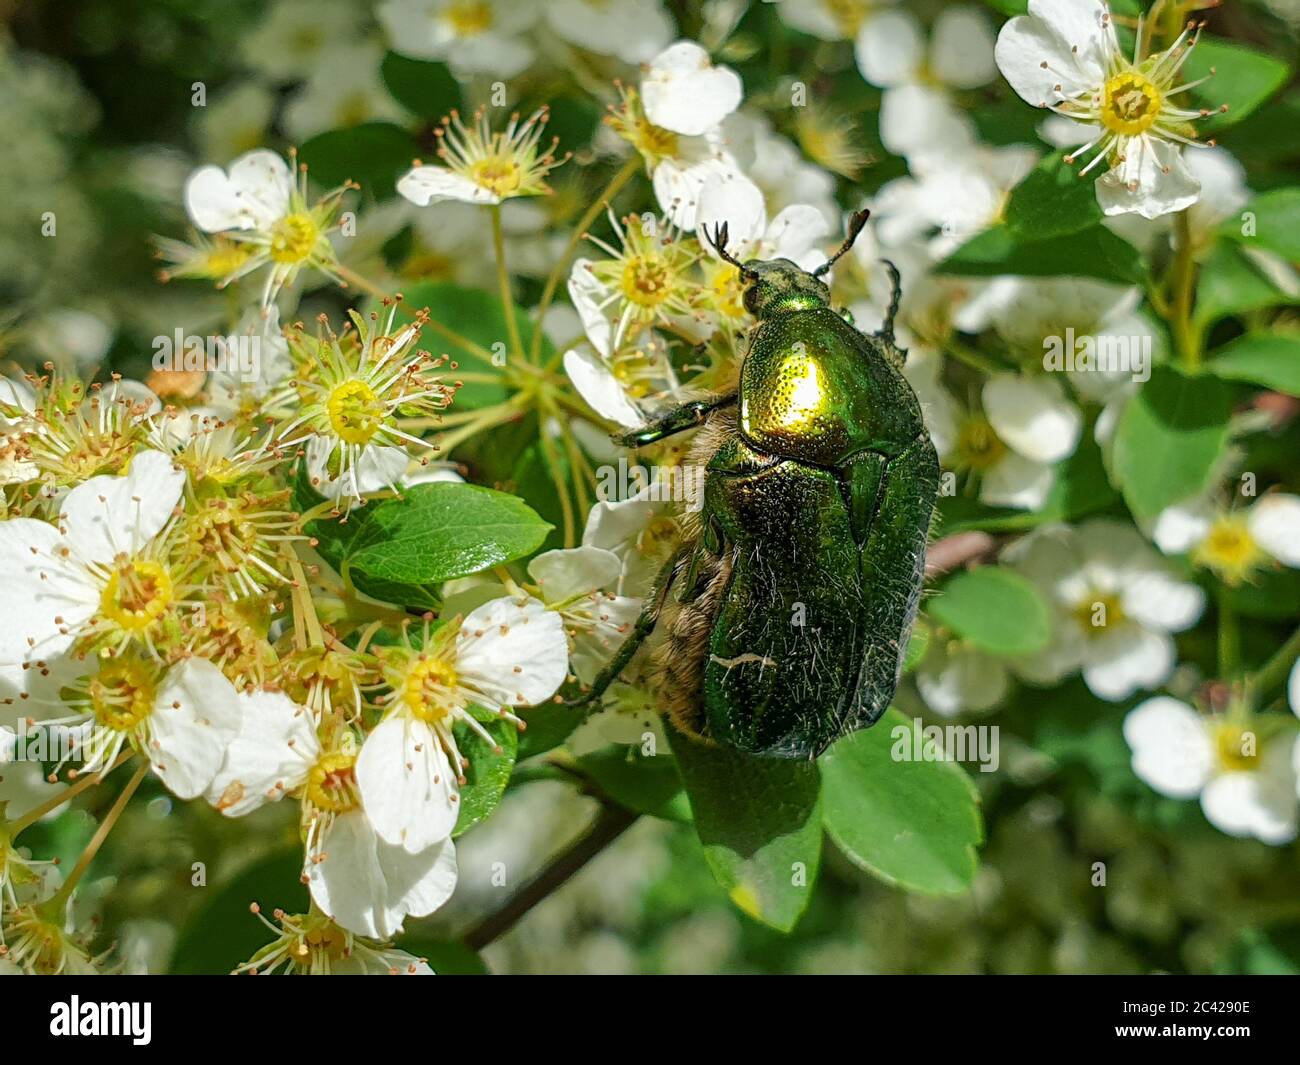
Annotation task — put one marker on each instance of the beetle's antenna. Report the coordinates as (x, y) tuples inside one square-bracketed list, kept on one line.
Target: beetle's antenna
[(856, 223), (886, 330), (719, 242)]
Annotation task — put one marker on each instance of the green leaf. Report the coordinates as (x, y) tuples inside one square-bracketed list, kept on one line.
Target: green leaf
[(1260, 952), (549, 725), (644, 785), (1052, 201), (759, 820), (1268, 359), (1273, 219), (1243, 79), (373, 154), (440, 531), (1170, 439), (1231, 284), (426, 89), (995, 609), (488, 773), (912, 823), (1092, 252), (222, 934)]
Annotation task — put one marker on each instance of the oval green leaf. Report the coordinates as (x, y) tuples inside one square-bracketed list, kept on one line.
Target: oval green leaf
[(996, 610)]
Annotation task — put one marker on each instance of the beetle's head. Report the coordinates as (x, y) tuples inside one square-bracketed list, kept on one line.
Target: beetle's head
[(777, 286)]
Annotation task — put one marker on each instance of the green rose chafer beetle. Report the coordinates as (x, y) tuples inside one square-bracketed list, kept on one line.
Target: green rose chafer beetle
[(787, 606)]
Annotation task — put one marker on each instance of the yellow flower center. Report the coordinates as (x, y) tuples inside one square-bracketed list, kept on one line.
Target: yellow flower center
[(1130, 104), (1237, 748), (499, 174), (136, 595), (294, 237), (1099, 613), (647, 280), (654, 141), (355, 411), (332, 784), (1229, 549), (979, 448), (227, 256), (428, 690), (122, 694), (469, 18)]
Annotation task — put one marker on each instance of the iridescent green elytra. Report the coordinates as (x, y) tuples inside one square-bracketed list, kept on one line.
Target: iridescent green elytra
[(795, 599)]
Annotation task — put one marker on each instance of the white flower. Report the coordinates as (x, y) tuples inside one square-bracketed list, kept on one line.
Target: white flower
[(684, 92), (640, 531), (1246, 783), (472, 36), (256, 201), (344, 89), (96, 573), (504, 654), (1235, 544), (272, 756), (484, 166), (598, 386), (1028, 425), (574, 583), (1114, 603), (739, 204), (630, 30), (1064, 56), (777, 166), (288, 43), (956, 678), (312, 944), (916, 113)]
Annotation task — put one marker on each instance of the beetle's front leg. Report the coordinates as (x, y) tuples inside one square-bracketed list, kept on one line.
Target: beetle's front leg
[(675, 420), (644, 626), (893, 569)]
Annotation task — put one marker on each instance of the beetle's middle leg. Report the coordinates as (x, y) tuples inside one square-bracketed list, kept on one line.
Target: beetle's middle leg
[(678, 419), (644, 626)]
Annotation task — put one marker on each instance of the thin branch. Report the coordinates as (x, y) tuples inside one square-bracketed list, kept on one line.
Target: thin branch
[(610, 823)]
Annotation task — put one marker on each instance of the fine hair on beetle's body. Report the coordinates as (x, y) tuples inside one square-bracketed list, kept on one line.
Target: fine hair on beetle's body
[(783, 615)]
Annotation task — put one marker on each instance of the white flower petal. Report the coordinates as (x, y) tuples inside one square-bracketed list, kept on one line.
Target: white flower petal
[(423, 185), (1033, 416), (564, 574), (1274, 523), (962, 680), (1015, 481), (1152, 181), (407, 784), (1171, 747), (685, 93), (961, 47), (1181, 527), (679, 182), (738, 202), (915, 118), (1125, 659), (253, 194), (47, 596), (889, 48), (599, 387), (108, 515), (1159, 599), (272, 755), (196, 716), (513, 655), (1261, 803)]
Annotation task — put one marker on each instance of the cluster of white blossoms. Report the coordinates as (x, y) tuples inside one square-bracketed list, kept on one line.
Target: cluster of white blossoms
[(165, 607)]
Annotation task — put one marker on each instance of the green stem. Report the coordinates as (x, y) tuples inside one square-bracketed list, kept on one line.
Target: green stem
[(1274, 671), (1187, 340), (67, 795), (503, 283), (1229, 638), (615, 185), (59, 901)]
